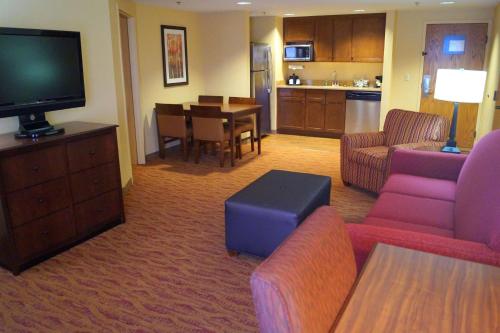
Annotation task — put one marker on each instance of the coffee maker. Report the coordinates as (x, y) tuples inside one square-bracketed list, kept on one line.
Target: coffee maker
[(378, 81)]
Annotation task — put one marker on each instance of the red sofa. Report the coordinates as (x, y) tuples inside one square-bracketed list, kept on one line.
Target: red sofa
[(441, 203)]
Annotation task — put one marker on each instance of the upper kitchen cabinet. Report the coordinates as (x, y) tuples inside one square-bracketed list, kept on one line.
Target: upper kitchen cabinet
[(342, 39), (323, 39), (299, 29), (368, 35)]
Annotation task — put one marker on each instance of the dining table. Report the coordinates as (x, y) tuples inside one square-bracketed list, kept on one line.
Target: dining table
[(404, 290), (232, 112)]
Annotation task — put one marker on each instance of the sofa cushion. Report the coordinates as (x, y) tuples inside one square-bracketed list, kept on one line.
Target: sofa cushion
[(402, 127), (375, 157), (408, 226), (424, 187), (412, 209)]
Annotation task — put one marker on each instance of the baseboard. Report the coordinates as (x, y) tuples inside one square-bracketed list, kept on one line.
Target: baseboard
[(127, 186)]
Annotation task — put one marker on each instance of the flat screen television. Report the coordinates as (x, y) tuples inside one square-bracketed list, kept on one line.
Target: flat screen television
[(40, 71)]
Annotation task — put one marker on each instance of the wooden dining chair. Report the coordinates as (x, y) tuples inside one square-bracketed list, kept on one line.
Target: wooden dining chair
[(210, 99), (245, 124), (208, 127), (171, 125)]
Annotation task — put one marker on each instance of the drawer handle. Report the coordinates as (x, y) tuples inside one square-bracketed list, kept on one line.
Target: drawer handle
[(96, 181), (41, 200), (36, 168), (92, 152), (100, 210), (45, 233)]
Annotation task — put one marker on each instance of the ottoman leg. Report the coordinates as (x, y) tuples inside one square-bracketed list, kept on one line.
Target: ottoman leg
[(232, 253)]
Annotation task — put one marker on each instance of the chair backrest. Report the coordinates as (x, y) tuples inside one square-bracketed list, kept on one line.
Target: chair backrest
[(210, 99), (207, 123), (242, 100), (171, 120), (477, 205), (403, 127), (304, 284)]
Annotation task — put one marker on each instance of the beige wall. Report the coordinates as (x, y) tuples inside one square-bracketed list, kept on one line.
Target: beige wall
[(226, 53), (92, 19), (268, 29), (346, 71), (409, 44), (148, 22), (487, 110)]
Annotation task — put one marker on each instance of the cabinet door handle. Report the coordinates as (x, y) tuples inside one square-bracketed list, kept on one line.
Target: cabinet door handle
[(41, 200), (96, 181), (100, 210), (45, 233), (36, 168), (92, 152)]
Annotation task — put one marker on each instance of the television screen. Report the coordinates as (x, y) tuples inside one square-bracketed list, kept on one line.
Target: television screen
[(40, 70)]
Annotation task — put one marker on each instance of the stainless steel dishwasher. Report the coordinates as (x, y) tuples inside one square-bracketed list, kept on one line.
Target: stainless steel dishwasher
[(362, 111)]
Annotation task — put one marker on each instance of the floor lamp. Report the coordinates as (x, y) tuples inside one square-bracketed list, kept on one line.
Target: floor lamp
[(458, 86)]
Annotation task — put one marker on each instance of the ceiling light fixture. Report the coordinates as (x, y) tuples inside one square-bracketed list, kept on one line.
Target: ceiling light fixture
[(289, 14), (359, 10), (447, 2), (244, 3)]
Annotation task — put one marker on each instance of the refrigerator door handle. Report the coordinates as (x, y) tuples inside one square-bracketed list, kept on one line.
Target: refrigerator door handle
[(269, 68)]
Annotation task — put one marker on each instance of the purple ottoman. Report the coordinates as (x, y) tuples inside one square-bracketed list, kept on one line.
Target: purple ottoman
[(263, 214)]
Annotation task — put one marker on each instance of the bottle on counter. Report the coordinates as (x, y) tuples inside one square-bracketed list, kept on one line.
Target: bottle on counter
[(291, 79)]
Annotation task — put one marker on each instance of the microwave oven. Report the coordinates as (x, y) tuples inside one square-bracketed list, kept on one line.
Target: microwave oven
[(298, 52)]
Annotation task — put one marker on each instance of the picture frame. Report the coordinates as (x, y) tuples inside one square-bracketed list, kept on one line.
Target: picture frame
[(175, 59)]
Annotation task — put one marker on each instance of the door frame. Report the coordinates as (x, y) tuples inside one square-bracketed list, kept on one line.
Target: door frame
[(134, 69), (424, 39)]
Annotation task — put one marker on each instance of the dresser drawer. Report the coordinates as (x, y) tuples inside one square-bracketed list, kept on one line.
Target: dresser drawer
[(38, 201), (98, 211), (45, 233), (91, 152), (92, 182), (33, 168)]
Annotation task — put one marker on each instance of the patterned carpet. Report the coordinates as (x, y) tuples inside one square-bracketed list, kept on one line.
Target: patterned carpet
[(166, 268)]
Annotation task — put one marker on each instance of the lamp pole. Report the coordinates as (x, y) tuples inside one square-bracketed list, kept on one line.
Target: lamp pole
[(451, 144)]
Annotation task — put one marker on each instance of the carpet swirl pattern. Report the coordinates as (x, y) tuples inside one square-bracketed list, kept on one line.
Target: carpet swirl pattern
[(166, 268)]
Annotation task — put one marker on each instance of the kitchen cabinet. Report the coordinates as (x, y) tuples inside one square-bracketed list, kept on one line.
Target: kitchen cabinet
[(293, 101), (323, 39), (314, 112), (299, 29), (368, 36), (342, 39)]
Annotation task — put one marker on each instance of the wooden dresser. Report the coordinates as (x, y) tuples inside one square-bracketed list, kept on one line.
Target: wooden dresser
[(57, 191)]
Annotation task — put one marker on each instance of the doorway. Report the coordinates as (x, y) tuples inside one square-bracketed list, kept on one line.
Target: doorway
[(127, 81), (469, 55)]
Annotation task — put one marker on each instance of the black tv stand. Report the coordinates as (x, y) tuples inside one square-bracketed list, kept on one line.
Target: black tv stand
[(35, 125)]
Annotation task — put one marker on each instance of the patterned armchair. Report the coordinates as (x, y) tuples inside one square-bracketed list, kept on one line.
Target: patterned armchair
[(365, 157)]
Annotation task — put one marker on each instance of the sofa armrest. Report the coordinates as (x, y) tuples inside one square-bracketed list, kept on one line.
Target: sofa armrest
[(304, 283), (365, 237), (362, 140), (427, 164)]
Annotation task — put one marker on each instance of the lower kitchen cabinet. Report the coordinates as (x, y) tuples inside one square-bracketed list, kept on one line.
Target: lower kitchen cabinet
[(313, 112)]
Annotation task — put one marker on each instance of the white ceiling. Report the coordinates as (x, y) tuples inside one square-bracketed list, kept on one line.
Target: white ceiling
[(311, 7)]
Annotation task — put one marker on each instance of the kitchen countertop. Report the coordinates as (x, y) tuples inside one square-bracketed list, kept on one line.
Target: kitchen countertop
[(326, 87)]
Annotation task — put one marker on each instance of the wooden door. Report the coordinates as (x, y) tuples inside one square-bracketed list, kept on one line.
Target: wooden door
[(299, 29), (323, 39), (335, 111), (127, 80), (473, 58), (368, 37), (315, 110), (342, 39)]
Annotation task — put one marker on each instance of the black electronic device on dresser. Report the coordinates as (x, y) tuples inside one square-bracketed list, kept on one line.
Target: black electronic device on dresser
[(40, 71)]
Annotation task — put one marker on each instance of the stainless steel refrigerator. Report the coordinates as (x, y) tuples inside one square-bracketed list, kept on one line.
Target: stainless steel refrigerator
[(261, 81)]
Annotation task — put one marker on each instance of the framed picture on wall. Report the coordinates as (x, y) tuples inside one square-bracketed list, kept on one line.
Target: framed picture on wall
[(175, 61)]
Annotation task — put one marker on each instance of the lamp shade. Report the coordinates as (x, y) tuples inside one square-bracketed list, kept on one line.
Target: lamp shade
[(460, 85)]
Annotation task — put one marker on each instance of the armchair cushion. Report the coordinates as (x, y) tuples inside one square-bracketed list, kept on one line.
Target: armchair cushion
[(302, 286), (402, 127), (423, 187), (427, 164), (375, 157), (416, 210), (364, 237), (408, 226)]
